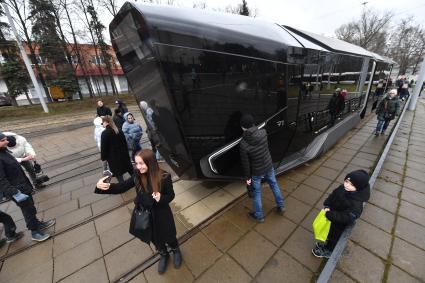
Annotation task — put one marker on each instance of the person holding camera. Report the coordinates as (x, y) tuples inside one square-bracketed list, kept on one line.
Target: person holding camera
[(24, 153), (154, 193), (15, 185)]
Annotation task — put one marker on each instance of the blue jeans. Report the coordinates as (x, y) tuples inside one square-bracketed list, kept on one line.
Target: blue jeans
[(382, 126), (270, 178)]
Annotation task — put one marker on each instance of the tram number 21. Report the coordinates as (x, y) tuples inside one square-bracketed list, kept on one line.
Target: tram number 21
[(280, 123)]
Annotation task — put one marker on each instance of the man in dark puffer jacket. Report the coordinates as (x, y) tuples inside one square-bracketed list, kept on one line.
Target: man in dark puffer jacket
[(257, 165), (343, 206), (15, 185)]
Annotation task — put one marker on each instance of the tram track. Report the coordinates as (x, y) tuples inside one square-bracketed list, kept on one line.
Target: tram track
[(128, 276), (155, 257), (86, 168), (76, 225)]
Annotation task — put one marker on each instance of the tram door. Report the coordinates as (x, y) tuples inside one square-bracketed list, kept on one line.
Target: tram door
[(281, 126)]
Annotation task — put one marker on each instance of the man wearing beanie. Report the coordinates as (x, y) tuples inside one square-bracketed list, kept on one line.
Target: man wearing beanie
[(24, 153), (257, 165), (343, 206), (15, 185)]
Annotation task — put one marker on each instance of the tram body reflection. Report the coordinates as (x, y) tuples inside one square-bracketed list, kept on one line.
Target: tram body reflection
[(199, 71)]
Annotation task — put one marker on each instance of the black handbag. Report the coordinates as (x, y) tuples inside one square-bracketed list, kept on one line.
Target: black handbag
[(141, 219), (140, 224)]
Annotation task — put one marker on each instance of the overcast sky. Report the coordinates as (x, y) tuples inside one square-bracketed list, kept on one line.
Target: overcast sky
[(321, 17)]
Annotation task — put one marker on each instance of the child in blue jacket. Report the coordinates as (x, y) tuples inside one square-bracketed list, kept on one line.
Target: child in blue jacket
[(133, 134)]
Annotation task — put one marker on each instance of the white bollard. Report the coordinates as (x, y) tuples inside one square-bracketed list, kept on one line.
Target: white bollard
[(418, 86)]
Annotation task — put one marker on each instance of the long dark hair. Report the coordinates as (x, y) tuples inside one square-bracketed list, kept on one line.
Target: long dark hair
[(154, 174), (108, 119)]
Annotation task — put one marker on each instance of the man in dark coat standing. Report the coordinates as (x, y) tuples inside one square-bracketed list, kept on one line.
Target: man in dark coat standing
[(15, 185), (102, 110), (257, 165)]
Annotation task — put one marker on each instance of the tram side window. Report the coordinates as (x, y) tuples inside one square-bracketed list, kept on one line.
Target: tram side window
[(212, 90)]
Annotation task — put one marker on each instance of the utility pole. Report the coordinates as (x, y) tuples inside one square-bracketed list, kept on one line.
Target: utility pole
[(26, 60), (418, 86)]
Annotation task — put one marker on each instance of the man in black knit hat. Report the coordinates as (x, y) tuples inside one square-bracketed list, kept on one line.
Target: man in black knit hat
[(343, 206), (257, 165), (15, 185)]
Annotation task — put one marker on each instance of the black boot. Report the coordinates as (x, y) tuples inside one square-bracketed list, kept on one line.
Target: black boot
[(162, 264), (177, 257)]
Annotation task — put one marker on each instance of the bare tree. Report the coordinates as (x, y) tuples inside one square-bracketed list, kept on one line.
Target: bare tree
[(76, 47), (83, 7), (369, 32), (110, 5), (97, 28), (406, 44), (200, 5), (166, 2)]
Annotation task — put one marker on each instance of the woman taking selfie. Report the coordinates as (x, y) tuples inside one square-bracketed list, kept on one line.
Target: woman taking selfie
[(154, 193)]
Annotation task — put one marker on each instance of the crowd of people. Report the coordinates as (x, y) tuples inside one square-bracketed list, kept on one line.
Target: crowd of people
[(118, 139)]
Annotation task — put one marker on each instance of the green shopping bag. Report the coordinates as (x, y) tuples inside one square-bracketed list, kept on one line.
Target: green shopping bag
[(321, 226)]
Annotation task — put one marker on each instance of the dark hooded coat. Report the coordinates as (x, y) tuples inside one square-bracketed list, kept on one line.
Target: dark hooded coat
[(163, 226), (113, 148), (12, 177), (254, 152), (103, 111), (346, 207)]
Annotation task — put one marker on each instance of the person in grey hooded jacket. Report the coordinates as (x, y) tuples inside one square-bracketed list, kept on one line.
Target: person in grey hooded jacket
[(257, 165), (133, 134)]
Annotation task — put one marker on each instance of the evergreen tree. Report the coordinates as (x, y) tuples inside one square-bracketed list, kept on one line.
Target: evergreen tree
[(98, 28), (45, 33), (243, 9), (84, 4), (12, 69), (19, 8)]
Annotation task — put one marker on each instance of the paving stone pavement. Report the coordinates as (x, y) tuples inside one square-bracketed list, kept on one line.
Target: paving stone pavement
[(387, 244)]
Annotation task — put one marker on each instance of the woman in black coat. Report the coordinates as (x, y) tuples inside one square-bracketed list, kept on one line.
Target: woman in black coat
[(154, 192), (113, 149)]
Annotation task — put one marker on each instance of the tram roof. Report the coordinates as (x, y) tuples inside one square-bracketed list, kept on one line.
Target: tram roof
[(211, 24), (382, 58), (332, 44)]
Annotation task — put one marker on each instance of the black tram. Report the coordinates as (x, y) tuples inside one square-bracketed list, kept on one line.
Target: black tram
[(195, 72)]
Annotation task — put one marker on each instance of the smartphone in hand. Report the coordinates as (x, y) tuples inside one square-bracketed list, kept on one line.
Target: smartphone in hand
[(108, 174)]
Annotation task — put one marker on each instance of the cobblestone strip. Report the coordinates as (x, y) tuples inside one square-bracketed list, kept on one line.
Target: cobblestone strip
[(393, 258), (393, 230)]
